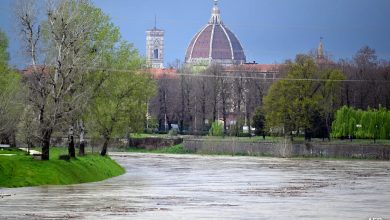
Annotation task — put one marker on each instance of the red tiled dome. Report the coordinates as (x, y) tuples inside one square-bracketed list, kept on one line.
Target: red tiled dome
[(215, 43)]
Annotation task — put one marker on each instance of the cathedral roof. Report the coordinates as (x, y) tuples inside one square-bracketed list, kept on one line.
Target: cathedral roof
[(215, 43)]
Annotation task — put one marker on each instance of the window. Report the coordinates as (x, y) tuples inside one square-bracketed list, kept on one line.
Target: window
[(155, 54)]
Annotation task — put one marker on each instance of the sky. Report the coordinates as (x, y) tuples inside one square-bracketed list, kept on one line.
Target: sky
[(270, 31)]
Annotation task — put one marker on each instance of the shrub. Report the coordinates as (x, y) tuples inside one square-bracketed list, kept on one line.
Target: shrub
[(242, 134), (236, 129), (65, 157), (216, 129), (173, 132)]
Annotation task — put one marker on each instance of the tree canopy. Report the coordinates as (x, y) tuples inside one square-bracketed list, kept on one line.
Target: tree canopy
[(304, 100), (80, 59), (123, 91), (356, 123), (10, 95)]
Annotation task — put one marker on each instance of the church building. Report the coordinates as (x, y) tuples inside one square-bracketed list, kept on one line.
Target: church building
[(155, 48), (215, 43)]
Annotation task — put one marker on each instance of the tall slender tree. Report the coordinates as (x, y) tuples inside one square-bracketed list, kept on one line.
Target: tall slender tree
[(74, 35)]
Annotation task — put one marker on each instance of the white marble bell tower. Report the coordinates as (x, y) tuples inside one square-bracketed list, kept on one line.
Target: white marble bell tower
[(155, 47)]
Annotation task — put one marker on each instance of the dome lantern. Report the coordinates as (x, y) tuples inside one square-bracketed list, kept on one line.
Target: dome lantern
[(215, 14)]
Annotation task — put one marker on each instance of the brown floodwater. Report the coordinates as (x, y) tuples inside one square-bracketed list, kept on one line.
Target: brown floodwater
[(214, 187)]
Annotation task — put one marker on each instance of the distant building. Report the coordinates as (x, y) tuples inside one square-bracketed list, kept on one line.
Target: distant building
[(155, 48), (321, 58), (215, 43), (265, 71)]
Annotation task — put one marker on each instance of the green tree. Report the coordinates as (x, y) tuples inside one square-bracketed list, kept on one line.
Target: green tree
[(370, 124), (10, 95), (258, 121), (4, 56), (330, 92), (119, 103), (304, 100), (74, 35)]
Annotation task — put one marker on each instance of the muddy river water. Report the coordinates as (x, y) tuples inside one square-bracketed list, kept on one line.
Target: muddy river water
[(214, 187)]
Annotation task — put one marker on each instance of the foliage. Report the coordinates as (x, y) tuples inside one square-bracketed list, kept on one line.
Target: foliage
[(216, 129), (176, 149), (173, 132), (152, 125), (4, 56), (370, 124), (10, 95), (305, 99), (118, 105), (21, 170), (73, 37), (258, 121), (27, 128), (236, 128)]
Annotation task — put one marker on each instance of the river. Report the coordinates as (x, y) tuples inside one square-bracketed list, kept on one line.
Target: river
[(214, 187)]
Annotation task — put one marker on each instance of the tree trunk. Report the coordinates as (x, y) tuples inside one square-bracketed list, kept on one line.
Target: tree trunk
[(82, 148), (13, 142), (347, 95), (224, 119), (71, 149), (46, 145), (214, 108), (203, 107), (82, 142), (224, 114), (182, 99), (104, 149)]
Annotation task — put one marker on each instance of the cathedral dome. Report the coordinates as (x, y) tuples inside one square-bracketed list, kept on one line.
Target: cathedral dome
[(215, 43)]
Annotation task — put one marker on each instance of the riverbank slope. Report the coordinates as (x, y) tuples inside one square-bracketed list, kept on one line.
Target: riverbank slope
[(18, 169)]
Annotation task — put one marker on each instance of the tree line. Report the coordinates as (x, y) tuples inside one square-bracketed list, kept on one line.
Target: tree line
[(310, 93), (81, 78), (303, 100), (194, 100)]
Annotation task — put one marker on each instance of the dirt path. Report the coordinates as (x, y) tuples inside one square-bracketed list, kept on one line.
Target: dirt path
[(210, 187), (32, 152)]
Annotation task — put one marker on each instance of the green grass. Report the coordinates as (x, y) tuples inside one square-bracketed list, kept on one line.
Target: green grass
[(142, 135), (177, 149), (13, 151), (244, 139), (22, 170)]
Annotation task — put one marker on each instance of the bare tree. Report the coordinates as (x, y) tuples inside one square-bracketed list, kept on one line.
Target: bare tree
[(69, 41)]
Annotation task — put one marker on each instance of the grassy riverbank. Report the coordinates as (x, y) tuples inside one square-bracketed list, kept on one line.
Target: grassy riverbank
[(22, 170)]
